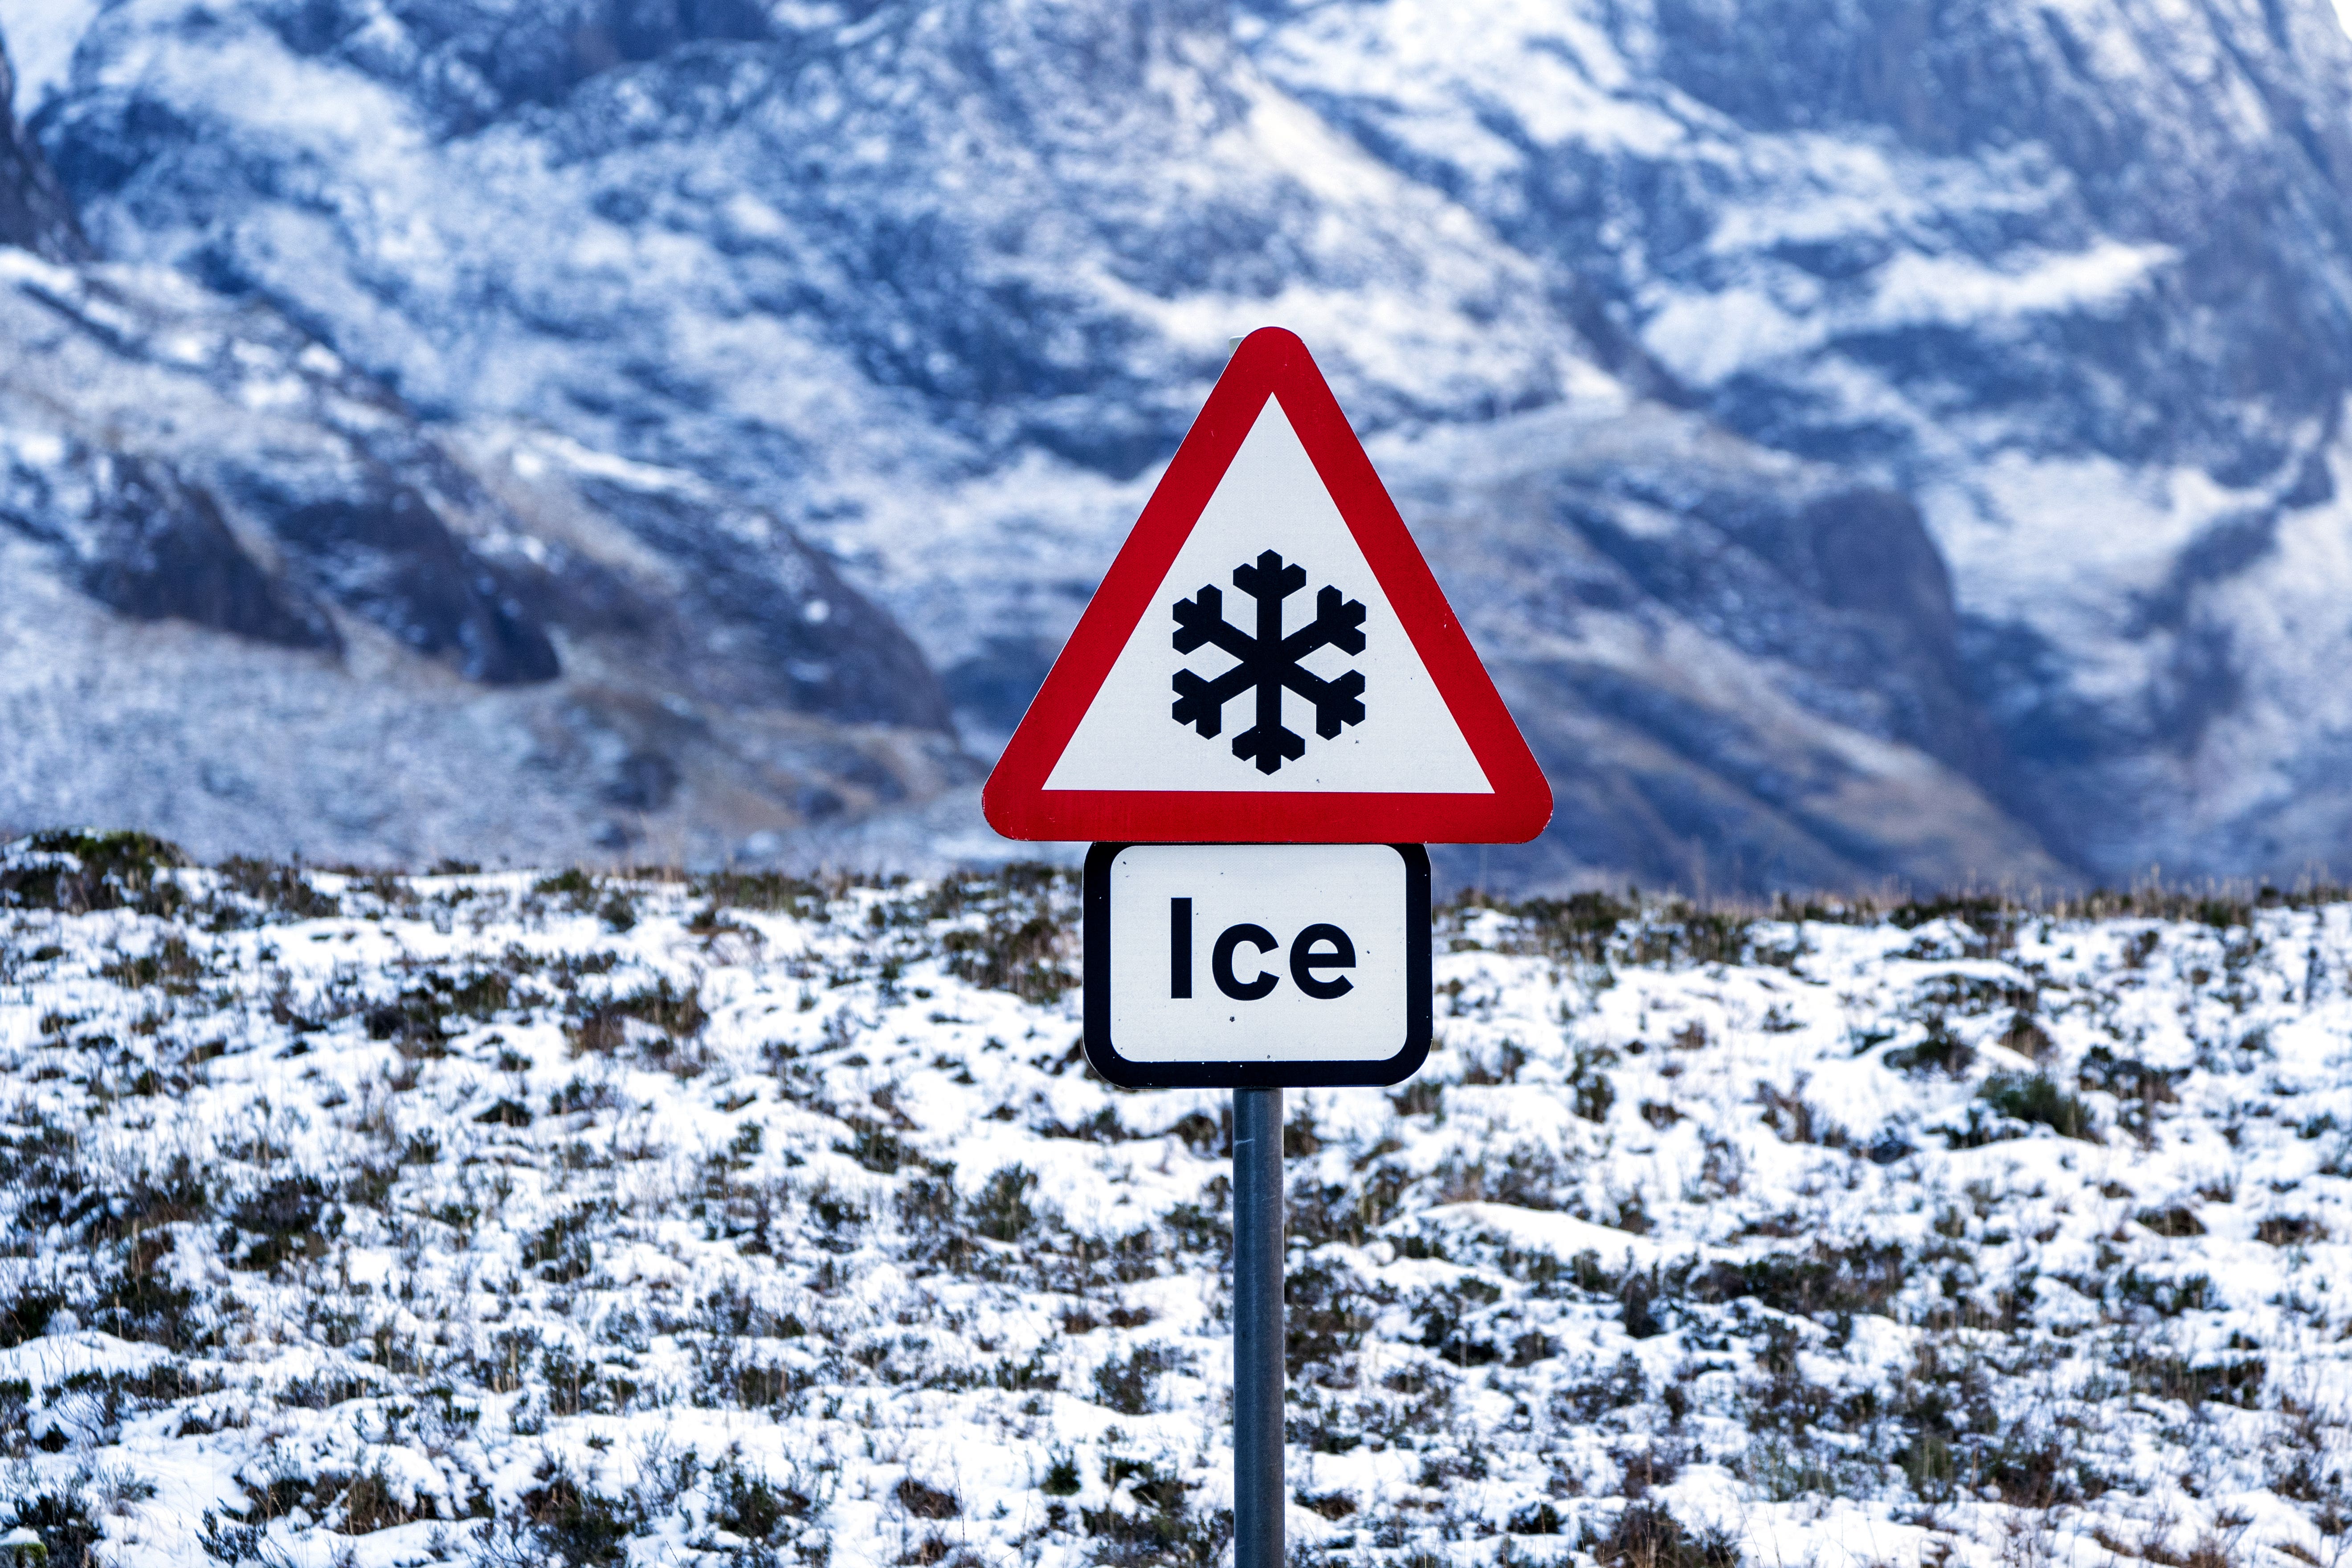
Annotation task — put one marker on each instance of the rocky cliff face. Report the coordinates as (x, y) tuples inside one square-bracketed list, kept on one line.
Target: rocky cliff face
[(2074, 279), (1867, 439), (34, 215), (253, 599)]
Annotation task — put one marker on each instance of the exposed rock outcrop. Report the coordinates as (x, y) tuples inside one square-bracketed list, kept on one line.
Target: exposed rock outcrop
[(35, 213)]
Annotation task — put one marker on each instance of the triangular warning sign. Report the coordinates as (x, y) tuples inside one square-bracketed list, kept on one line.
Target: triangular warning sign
[(1269, 660)]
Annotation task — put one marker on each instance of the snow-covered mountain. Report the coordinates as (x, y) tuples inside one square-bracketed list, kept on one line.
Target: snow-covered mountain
[(2072, 279), (1867, 439), (252, 597)]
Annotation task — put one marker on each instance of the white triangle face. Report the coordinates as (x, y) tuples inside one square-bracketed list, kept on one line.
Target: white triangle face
[(1394, 735)]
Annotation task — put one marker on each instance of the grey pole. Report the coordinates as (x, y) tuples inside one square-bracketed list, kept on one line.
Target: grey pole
[(1258, 1374)]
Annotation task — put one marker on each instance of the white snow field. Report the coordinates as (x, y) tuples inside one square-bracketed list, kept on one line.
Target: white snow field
[(487, 1218)]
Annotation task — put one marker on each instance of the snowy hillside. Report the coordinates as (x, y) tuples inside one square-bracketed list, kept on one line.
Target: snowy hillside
[(1869, 438), (252, 596), (243, 578), (496, 1218)]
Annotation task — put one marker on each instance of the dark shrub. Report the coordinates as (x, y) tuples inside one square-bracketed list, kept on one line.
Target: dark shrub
[(2029, 1472), (925, 1501), (1062, 1478), (1646, 1536), (153, 1198), (770, 892), (2236, 1383), (1127, 1386), (1641, 1321), (1001, 1211), (876, 1147), (280, 890), (371, 1505), (1326, 1316), (1161, 1530), (1010, 953), (751, 1506), (1539, 1518), (1579, 926), (64, 1525), (1939, 1051), (77, 873), (147, 1308), (2174, 1222), (287, 1216), (677, 1014), (24, 1317), (2166, 1298), (170, 966), (574, 1525), (562, 1250), (2034, 1097), (1866, 1276)]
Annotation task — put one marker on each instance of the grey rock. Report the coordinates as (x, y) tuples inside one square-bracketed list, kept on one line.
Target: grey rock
[(139, 537), (382, 552), (161, 550), (1740, 670), (35, 213)]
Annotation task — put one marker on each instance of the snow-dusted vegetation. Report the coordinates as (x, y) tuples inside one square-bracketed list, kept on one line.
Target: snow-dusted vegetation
[(493, 1217)]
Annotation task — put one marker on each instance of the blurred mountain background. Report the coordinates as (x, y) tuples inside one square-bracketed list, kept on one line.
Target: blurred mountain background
[(1867, 440)]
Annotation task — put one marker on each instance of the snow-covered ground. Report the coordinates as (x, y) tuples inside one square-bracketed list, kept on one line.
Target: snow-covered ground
[(474, 1218)]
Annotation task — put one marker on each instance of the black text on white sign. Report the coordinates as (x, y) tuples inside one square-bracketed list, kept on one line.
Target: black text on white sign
[(1256, 964)]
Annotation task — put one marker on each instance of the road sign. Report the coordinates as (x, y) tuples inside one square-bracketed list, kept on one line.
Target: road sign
[(1269, 683), (1268, 658), (1256, 964)]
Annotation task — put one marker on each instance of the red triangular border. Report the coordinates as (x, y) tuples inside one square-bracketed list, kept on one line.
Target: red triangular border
[(1270, 363)]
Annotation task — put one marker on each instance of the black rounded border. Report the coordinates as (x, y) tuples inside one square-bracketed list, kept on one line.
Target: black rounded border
[(1104, 1057)]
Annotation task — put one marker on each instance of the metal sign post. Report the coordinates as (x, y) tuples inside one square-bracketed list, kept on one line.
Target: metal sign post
[(1275, 747), (1256, 965), (1258, 1371)]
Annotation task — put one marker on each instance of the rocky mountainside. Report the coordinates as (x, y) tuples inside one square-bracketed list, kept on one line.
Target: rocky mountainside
[(1866, 439), (2073, 280), (34, 215), (254, 597)]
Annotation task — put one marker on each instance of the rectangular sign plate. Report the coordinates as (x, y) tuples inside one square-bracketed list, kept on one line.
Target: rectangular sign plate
[(1256, 965)]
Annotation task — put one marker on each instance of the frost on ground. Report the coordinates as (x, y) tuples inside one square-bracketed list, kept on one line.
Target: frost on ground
[(465, 1218)]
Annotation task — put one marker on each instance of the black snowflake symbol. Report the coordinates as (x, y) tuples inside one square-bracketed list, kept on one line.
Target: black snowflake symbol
[(1269, 662)]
